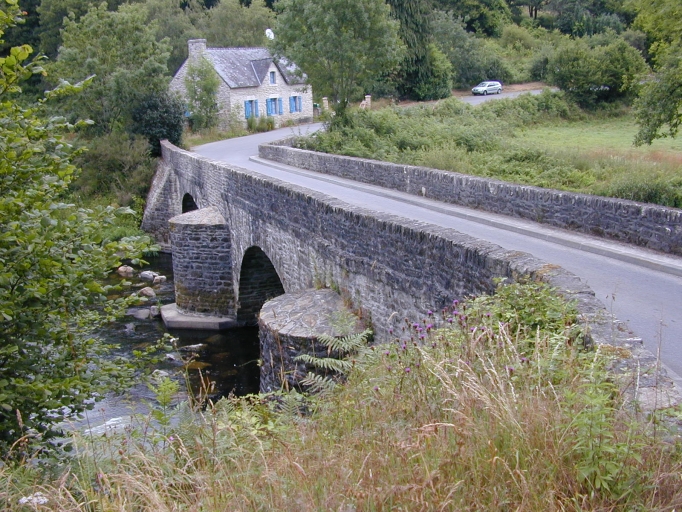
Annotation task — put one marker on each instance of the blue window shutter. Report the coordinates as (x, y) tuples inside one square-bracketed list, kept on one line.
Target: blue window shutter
[(247, 109), (256, 108), (267, 106), (280, 104), (299, 104), (292, 104)]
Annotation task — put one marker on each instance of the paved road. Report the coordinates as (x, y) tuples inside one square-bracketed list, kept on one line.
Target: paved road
[(640, 287)]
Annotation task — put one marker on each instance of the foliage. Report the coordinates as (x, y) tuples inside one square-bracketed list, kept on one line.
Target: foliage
[(52, 14), (175, 25), (342, 353), (229, 24), (590, 75), (120, 50), (421, 75), (465, 416), (159, 117), (472, 59), (341, 46), (114, 164), (53, 261), (659, 107), (484, 17), (201, 84), (438, 83)]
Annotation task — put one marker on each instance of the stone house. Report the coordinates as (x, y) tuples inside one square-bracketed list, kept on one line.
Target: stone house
[(252, 84)]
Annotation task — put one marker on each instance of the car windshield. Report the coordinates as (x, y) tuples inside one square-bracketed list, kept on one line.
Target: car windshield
[(483, 84)]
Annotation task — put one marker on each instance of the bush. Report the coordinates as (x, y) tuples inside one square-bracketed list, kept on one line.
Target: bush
[(158, 118), (514, 36), (473, 60), (116, 164), (590, 75)]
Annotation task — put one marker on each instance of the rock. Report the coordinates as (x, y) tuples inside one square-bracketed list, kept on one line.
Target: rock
[(173, 357), (193, 348), (147, 292), (148, 275), (130, 328), (125, 271), (159, 279), (160, 374), (155, 312), (139, 313)]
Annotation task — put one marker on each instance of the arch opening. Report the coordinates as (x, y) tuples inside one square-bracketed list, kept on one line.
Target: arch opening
[(188, 204), (258, 282)]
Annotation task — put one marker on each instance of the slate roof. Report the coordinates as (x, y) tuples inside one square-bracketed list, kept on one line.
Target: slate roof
[(248, 67)]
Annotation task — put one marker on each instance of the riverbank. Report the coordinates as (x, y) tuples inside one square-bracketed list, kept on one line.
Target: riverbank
[(502, 409)]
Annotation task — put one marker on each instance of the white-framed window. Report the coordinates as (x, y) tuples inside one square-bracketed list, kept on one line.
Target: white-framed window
[(273, 78)]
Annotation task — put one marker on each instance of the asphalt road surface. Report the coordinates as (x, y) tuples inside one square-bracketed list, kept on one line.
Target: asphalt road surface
[(640, 287)]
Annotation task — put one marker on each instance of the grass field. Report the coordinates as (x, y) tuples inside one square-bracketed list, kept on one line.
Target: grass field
[(613, 134)]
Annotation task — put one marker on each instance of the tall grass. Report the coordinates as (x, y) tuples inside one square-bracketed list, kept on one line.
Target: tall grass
[(539, 140), (504, 407)]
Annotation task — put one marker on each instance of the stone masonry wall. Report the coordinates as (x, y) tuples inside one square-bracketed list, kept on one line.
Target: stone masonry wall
[(646, 225), (388, 268), (202, 263)]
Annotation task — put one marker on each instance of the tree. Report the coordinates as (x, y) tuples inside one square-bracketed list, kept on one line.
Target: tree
[(472, 59), (591, 75), (416, 75), (485, 17), (659, 106), (231, 24), (159, 117), (120, 50), (54, 258), (342, 46), (176, 26), (201, 84)]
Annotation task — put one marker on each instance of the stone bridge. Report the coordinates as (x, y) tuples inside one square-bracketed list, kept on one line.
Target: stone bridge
[(239, 238)]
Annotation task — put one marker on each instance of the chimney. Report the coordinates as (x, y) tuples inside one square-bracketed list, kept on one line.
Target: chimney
[(196, 47)]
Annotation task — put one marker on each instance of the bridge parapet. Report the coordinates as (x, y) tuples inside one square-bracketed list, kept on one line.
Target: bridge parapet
[(647, 225)]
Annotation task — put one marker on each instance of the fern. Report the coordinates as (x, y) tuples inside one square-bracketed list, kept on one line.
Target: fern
[(318, 384), (346, 350), (326, 363), (347, 344)]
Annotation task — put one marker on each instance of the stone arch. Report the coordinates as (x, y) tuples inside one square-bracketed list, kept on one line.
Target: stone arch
[(258, 282), (188, 204)]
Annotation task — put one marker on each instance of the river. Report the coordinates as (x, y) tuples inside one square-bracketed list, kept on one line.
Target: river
[(228, 358)]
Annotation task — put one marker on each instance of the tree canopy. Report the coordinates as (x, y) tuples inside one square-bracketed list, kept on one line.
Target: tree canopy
[(659, 107), (119, 49), (54, 259), (342, 46)]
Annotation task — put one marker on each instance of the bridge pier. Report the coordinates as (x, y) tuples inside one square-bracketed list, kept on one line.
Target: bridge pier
[(202, 268)]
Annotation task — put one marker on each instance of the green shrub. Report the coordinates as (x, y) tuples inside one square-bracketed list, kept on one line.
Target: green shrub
[(157, 118), (514, 36), (115, 164)]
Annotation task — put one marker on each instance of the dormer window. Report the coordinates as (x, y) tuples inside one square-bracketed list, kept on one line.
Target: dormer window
[(273, 78)]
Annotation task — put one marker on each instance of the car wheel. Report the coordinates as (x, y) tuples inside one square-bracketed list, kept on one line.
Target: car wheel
[(485, 93), (499, 91)]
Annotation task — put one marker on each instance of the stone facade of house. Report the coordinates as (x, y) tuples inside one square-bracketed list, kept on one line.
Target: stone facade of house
[(252, 83)]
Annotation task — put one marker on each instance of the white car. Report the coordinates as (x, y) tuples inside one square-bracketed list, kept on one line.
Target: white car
[(485, 88)]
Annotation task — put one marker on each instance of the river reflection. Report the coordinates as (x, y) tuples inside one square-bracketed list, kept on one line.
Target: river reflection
[(228, 358)]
